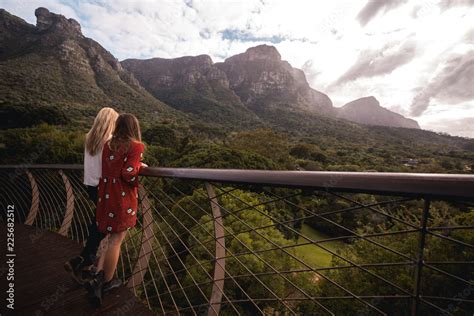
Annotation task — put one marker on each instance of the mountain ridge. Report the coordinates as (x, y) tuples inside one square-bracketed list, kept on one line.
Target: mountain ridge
[(257, 80), (53, 64), (263, 80), (194, 85), (373, 114)]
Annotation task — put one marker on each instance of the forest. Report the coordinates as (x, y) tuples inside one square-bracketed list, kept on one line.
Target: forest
[(35, 135)]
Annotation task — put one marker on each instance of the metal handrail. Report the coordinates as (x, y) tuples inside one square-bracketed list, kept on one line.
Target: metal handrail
[(192, 259), (434, 185)]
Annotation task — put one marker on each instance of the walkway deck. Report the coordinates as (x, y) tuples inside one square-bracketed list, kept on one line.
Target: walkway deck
[(42, 286)]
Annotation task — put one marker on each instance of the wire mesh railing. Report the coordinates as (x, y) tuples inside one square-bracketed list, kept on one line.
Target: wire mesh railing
[(277, 242)]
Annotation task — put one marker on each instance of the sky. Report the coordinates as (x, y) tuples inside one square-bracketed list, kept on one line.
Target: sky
[(415, 56)]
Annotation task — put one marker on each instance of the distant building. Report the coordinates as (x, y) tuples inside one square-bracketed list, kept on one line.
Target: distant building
[(410, 162)]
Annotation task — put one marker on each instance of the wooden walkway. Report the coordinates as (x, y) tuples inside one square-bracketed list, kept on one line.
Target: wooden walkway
[(43, 287)]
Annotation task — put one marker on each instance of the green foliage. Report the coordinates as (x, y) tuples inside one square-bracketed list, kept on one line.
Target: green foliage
[(77, 83), (309, 147), (309, 165), (43, 143), (211, 103), (161, 135), (265, 142), (214, 156), (158, 156), (434, 283), (333, 224), (200, 131), (307, 151), (240, 240), (27, 116)]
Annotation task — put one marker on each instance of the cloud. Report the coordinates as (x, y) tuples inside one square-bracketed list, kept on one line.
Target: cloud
[(26, 9), (373, 7), (469, 37), (455, 127), (372, 63), (447, 4), (243, 36), (310, 72), (452, 85), (330, 40)]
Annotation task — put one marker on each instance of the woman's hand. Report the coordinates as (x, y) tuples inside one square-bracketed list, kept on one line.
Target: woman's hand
[(144, 165)]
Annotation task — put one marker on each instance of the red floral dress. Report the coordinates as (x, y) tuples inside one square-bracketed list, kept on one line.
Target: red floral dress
[(117, 204)]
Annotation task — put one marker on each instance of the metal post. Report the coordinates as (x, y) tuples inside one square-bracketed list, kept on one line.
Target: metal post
[(219, 262), (415, 310), (69, 214), (146, 248)]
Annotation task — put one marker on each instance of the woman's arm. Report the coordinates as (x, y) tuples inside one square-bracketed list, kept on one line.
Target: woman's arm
[(132, 165)]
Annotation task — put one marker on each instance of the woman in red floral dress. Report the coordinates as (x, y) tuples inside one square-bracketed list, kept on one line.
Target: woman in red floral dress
[(117, 204)]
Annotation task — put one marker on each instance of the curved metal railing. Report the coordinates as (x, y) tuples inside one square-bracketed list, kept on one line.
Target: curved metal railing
[(270, 242)]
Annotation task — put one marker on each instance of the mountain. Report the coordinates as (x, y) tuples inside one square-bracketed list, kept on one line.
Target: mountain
[(54, 66), (53, 71), (50, 72), (192, 84), (369, 112), (264, 81), (248, 88), (245, 89)]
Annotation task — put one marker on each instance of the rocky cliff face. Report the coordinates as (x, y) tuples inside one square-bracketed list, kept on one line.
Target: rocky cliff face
[(368, 111), (158, 73), (263, 81), (246, 87), (192, 84), (52, 63)]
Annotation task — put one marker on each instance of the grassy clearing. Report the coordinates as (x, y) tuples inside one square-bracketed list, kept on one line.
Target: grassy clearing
[(312, 254)]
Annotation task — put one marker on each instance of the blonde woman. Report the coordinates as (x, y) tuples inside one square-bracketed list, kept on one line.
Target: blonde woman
[(98, 135)]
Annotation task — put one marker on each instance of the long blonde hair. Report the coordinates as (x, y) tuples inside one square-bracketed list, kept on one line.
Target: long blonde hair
[(104, 124)]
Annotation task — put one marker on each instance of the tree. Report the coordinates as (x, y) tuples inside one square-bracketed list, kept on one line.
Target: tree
[(265, 142), (433, 282), (238, 240), (161, 135), (41, 144), (215, 156)]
